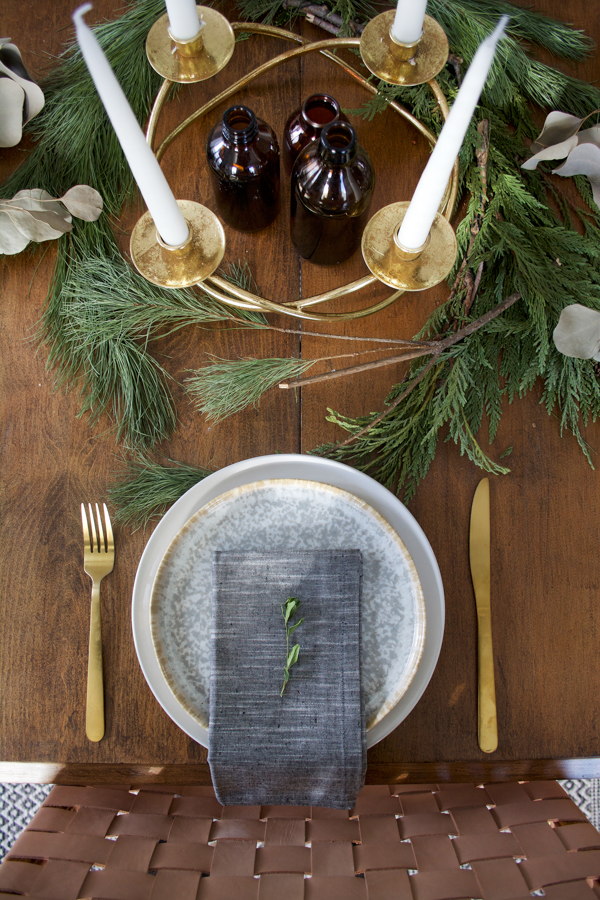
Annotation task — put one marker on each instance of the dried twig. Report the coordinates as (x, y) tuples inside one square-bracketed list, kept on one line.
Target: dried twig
[(435, 348), (323, 17), (442, 345)]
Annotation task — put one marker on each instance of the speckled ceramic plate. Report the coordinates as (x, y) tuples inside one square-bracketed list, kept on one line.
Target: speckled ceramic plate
[(306, 468), (295, 514)]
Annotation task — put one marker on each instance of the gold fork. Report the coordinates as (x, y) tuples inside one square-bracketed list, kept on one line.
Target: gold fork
[(98, 561)]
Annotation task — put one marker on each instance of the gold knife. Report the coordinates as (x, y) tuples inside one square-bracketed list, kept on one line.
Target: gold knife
[(479, 545)]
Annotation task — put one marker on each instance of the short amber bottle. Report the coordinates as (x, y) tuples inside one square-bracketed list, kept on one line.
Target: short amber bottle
[(332, 188), (306, 124), (243, 155)]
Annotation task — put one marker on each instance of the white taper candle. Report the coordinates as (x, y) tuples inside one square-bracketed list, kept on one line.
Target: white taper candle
[(183, 19), (432, 184), (408, 21), (149, 176)]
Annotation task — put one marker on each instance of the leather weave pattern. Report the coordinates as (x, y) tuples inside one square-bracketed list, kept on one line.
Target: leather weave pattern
[(400, 842)]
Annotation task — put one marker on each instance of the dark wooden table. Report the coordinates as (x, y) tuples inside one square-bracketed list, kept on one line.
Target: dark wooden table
[(546, 565)]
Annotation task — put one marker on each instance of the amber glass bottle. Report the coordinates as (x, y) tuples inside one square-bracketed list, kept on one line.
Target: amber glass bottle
[(243, 155), (332, 187), (306, 124)]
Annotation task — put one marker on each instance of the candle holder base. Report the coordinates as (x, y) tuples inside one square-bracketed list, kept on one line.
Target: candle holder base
[(388, 59), (388, 263), (212, 48), (179, 267)]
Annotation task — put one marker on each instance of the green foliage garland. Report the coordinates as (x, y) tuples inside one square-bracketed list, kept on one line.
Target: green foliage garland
[(101, 317)]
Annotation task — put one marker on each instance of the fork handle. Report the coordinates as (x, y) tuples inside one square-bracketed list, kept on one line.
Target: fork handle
[(94, 717)]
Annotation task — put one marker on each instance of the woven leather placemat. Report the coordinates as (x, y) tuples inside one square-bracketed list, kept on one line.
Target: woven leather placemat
[(400, 842)]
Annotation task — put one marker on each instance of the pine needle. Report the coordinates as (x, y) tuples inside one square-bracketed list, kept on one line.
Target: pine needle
[(145, 489), (228, 386)]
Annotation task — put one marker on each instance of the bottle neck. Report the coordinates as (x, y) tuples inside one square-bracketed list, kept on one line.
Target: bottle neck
[(239, 125), (338, 144), (318, 111)]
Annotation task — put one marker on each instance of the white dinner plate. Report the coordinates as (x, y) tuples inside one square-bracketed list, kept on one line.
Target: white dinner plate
[(289, 514), (420, 659)]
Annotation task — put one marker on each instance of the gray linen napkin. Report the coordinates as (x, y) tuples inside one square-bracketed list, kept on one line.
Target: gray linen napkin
[(308, 747)]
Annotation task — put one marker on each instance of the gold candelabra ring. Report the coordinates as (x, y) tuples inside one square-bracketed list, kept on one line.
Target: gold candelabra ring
[(221, 289)]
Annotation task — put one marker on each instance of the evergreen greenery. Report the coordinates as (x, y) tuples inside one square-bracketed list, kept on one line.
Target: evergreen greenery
[(518, 235), (146, 488)]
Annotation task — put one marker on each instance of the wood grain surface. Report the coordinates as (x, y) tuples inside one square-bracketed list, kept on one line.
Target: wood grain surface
[(545, 560)]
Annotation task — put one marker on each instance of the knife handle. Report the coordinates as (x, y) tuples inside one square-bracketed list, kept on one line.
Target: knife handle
[(487, 722)]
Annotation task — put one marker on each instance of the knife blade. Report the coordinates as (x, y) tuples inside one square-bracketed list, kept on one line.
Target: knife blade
[(479, 552)]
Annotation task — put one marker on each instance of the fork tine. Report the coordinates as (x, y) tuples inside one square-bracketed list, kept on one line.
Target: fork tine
[(101, 544), (110, 541), (86, 531), (93, 527)]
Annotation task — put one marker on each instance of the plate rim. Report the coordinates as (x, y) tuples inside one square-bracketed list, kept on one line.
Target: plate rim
[(418, 639), (323, 470)]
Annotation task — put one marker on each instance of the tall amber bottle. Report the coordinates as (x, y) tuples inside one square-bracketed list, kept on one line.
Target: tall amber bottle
[(306, 124), (332, 187), (243, 155)]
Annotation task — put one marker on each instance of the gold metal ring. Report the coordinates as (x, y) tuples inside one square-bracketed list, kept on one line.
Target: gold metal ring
[(228, 293)]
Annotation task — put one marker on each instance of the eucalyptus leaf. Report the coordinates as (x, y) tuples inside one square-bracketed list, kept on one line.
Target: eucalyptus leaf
[(83, 202), (36, 198), (563, 149), (12, 100), (584, 160), (558, 127), (578, 332), (37, 226), (11, 239)]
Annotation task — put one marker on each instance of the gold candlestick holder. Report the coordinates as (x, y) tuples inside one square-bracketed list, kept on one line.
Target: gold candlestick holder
[(404, 64), (401, 268), (189, 263), (195, 60)]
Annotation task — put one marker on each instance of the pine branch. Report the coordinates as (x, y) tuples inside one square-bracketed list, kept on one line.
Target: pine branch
[(145, 489)]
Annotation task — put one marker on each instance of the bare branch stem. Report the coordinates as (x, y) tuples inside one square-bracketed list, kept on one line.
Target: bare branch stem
[(442, 345)]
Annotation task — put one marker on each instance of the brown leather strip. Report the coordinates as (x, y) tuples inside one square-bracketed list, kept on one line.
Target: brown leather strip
[(285, 832), (131, 853), (392, 883), (197, 807), (228, 888), (444, 885), (384, 856), (150, 826), (335, 888), (378, 829), (182, 856), (114, 885), (537, 811), (555, 869), (281, 887), (240, 830), (432, 823), (19, 877), (333, 859), (336, 830), (283, 859), (170, 885), (470, 847), (500, 879), (580, 836), (60, 880)]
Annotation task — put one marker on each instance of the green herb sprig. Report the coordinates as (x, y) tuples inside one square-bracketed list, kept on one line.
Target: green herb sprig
[(288, 610)]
